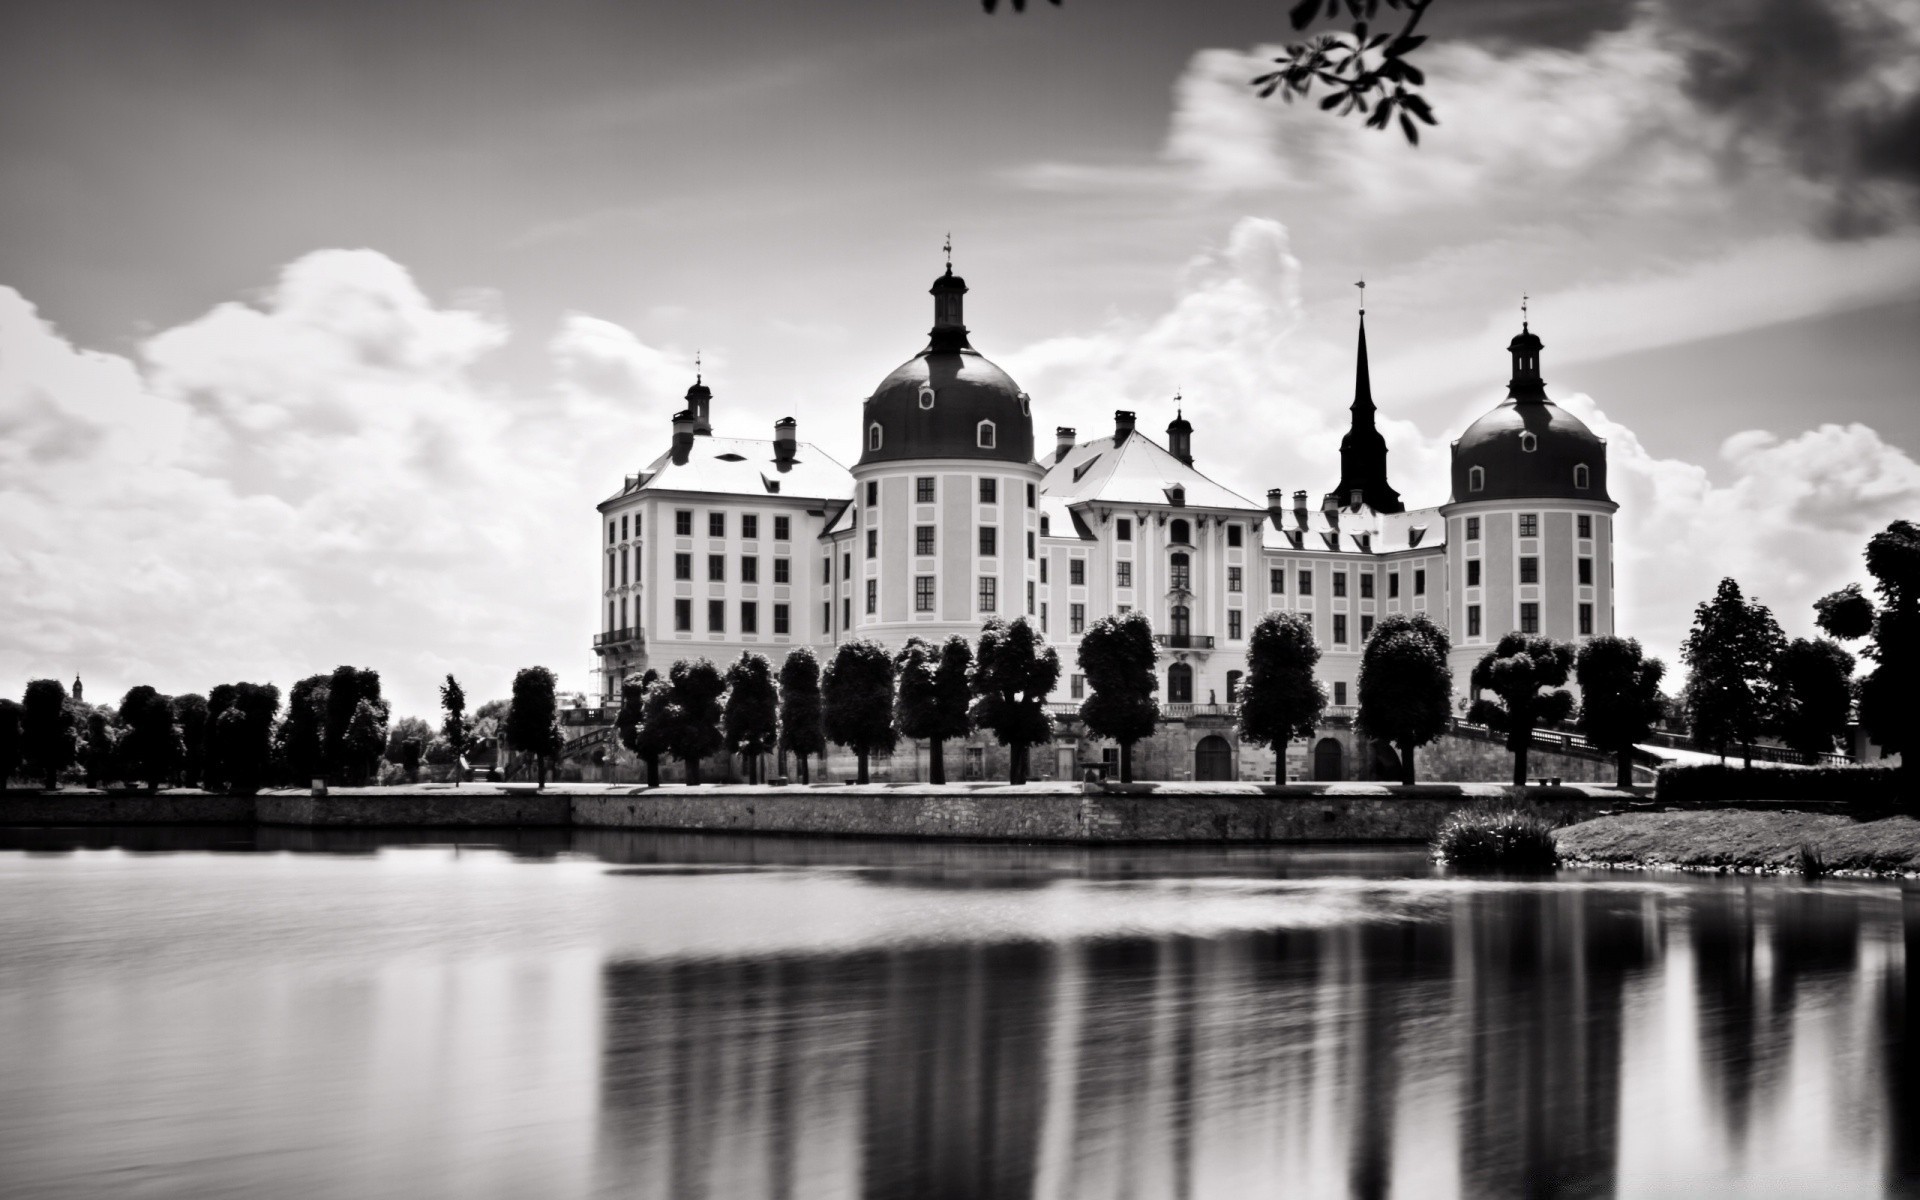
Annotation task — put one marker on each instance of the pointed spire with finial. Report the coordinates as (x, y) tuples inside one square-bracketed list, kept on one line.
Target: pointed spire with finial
[(1363, 452), (1362, 406)]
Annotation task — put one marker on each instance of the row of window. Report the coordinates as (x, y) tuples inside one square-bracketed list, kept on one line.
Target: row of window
[(924, 491), (1530, 570), (717, 617), (1477, 476), (621, 525), (717, 568), (717, 525), (985, 434), (1277, 583), (1530, 525), (1529, 619)]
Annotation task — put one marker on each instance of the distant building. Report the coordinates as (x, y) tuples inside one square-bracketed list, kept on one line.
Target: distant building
[(948, 517)]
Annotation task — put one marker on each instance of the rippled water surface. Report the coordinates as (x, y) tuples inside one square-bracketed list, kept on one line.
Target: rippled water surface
[(214, 1014)]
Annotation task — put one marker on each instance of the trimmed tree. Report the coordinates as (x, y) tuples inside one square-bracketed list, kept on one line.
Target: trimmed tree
[(11, 745), (302, 747), (692, 714), (455, 728), (150, 749), (750, 723), (1014, 672), (1889, 705), (857, 696), (1620, 700), (1117, 656), (191, 714), (365, 739), (1813, 695), (240, 745), (47, 735), (933, 698), (400, 732), (802, 731), (346, 688), (1406, 686), (644, 721), (1730, 655), (1516, 670), (1280, 699), (98, 756), (533, 719)]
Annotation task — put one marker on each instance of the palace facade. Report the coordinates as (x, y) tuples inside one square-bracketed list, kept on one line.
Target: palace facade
[(952, 515)]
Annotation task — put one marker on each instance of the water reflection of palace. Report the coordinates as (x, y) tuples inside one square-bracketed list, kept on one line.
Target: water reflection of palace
[(1528, 1043)]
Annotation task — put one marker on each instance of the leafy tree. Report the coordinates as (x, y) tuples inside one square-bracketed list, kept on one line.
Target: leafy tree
[(47, 734), (454, 727), (239, 748), (12, 747), (410, 753), (644, 721), (98, 750), (403, 730), (150, 751), (1515, 671), (1889, 707), (1620, 700), (346, 688), (933, 699), (1406, 685), (857, 691), (1117, 656), (302, 746), (533, 720), (190, 715), (1813, 695), (802, 729), (693, 712), (1014, 671), (750, 723), (366, 738), (1280, 699), (1730, 654)]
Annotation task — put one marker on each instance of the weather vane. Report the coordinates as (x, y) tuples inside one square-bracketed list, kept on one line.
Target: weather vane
[(696, 366), (948, 247), (1362, 285), (1523, 312)]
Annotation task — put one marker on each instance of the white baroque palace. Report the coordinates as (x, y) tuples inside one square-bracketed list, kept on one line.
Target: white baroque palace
[(949, 517)]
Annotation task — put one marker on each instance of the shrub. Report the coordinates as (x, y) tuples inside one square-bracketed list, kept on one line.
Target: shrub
[(1509, 839), (1714, 782)]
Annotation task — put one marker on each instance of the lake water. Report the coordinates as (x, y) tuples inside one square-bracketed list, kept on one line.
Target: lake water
[(262, 1014)]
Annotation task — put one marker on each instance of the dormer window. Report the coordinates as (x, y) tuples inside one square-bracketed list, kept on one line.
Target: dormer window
[(873, 436), (1177, 496), (1528, 442), (984, 435), (926, 395), (1181, 535), (1581, 478), (1476, 479)]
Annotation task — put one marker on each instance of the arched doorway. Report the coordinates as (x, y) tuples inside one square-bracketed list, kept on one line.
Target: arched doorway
[(1326, 759), (1213, 758), (1180, 684)]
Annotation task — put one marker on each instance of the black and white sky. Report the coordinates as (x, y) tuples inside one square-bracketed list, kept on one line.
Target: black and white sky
[(324, 324)]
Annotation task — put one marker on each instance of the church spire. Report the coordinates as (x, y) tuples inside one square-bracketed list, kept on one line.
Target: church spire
[(1363, 452), (1362, 406)]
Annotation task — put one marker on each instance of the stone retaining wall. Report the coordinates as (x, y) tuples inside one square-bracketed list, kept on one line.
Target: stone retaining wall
[(435, 809)]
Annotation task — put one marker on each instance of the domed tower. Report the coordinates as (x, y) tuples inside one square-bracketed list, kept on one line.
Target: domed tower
[(945, 520), (1529, 523)]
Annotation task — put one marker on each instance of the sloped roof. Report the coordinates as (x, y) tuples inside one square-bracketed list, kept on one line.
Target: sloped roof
[(1062, 521), (1137, 471), (744, 467), (1353, 530)]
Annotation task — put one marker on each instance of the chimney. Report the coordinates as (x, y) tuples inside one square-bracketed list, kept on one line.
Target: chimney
[(1180, 438), (1277, 505), (682, 436), (1300, 500), (785, 440), (1063, 441), (1122, 426)]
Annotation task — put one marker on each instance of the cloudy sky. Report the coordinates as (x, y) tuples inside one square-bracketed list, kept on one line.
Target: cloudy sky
[(324, 325)]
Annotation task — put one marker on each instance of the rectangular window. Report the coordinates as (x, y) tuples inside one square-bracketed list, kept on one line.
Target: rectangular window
[(1366, 626), (749, 616), (1340, 692), (826, 616), (846, 565), (846, 612), (1586, 571), (873, 543), (1076, 572), (782, 621), (610, 538), (1529, 524), (1043, 570), (1233, 623), (873, 492), (749, 569), (873, 596), (782, 529), (1043, 616), (826, 569), (1586, 620), (1473, 620), (716, 566), (1124, 609), (716, 524), (1473, 572), (1030, 597), (1306, 583), (1030, 545), (1123, 574), (1420, 581), (1393, 585), (989, 541), (1277, 580), (1123, 530), (1339, 583), (1233, 535), (923, 489), (1029, 495), (923, 539), (1076, 618), (923, 593), (783, 570), (683, 522), (1473, 529), (1366, 585), (989, 491), (623, 567), (683, 566), (989, 594), (1339, 628), (1529, 618), (1236, 580), (1586, 525), (1078, 684), (1529, 569), (683, 616), (749, 525), (716, 616)]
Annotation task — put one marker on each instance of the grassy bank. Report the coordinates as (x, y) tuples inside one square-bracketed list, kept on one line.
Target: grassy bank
[(1743, 839)]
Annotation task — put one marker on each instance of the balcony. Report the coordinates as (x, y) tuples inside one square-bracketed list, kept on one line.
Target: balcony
[(616, 637), (1185, 641)]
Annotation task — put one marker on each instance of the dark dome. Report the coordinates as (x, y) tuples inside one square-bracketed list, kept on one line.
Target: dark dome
[(1560, 441)]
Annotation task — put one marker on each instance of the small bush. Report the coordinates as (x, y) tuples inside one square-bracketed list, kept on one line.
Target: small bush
[(1774, 781), (1500, 839), (1813, 864)]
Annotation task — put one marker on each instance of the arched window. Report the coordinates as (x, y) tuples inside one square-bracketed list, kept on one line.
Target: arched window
[(1581, 479), (873, 436), (926, 395), (1180, 683), (1182, 620), (1181, 535), (1024, 402), (983, 435), (1182, 574), (1476, 478), (1528, 442), (1233, 687)]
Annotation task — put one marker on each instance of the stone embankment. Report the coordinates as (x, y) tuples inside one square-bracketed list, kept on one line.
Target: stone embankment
[(1047, 812), (1774, 838)]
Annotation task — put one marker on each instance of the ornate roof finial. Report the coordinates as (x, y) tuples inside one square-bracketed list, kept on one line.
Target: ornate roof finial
[(1523, 312), (1178, 406), (1362, 285), (948, 247), (696, 366)]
